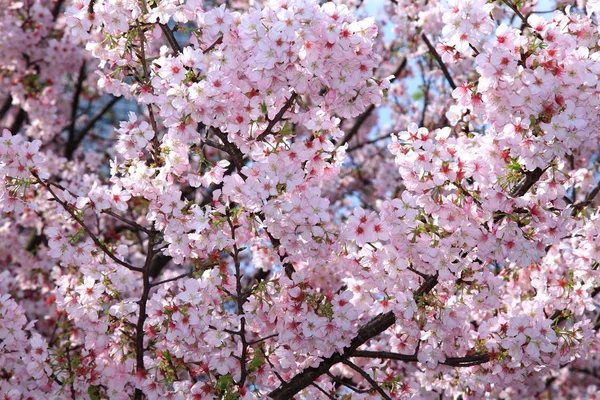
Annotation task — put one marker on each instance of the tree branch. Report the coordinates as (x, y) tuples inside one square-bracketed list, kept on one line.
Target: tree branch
[(83, 132), (589, 198), (368, 378), (439, 61), (127, 221), (346, 382), (6, 106), (374, 327), (18, 122), (142, 303), (97, 241), (467, 361), (75, 106), (278, 117), (517, 12), (323, 391), (302, 380), (236, 154), (531, 177), (171, 39), (360, 120)]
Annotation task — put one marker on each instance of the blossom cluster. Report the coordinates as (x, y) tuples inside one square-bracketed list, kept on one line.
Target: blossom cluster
[(256, 225)]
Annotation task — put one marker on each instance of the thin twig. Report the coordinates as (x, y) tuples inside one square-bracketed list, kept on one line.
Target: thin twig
[(215, 44), (368, 378), (127, 221), (262, 339), (589, 198), (75, 107), (97, 241), (372, 141), (466, 361), (323, 391), (441, 64), (171, 39), (90, 124), (531, 177), (340, 381), (272, 366), (277, 118), (142, 303), (153, 284), (517, 12), (360, 120), (374, 327)]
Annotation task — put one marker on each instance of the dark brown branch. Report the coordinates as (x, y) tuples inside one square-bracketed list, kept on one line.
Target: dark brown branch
[(158, 264), (287, 266), (262, 339), (386, 355), (368, 378), (271, 365), (155, 142), (360, 120), (171, 39), (425, 102), (56, 9), (127, 221), (18, 122), (240, 302), (236, 154), (155, 150), (302, 380), (372, 141), (467, 361), (153, 284), (161, 260), (75, 106), (258, 276), (517, 12), (531, 177), (277, 118), (72, 146), (97, 241), (587, 201), (427, 286), (6, 106), (142, 54), (323, 391), (215, 145), (597, 321), (215, 44), (142, 303), (70, 371), (441, 64), (347, 383), (169, 35), (374, 327)]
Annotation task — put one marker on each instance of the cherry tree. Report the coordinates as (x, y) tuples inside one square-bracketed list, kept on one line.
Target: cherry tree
[(299, 199)]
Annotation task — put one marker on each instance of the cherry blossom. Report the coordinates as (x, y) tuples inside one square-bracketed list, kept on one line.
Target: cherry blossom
[(301, 199)]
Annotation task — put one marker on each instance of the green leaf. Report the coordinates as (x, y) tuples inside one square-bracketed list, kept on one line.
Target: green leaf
[(224, 382), (94, 392), (514, 165), (286, 130), (256, 363)]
